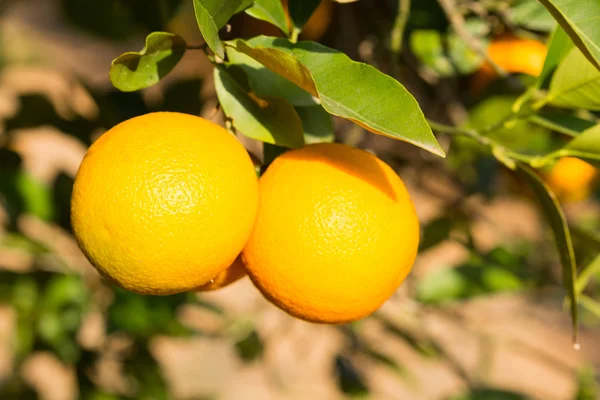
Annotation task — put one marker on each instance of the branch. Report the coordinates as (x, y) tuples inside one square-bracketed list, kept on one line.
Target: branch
[(397, 33), (458, 23)]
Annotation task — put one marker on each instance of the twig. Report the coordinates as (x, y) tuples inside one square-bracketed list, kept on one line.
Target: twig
[(397, 33), (458, 23)]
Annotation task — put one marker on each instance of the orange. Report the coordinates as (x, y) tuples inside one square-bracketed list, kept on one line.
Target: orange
[(231, 275), (314, 29), (164, 202), (336, 233), (571, 179), (514, 55)]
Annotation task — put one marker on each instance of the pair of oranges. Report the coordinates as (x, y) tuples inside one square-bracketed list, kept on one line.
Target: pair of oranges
[(168, 202)]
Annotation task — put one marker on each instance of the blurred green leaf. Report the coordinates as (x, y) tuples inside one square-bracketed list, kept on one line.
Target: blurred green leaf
[(558, 222), (134, 71), (490, 394), (250, 347), (93, 16), (587, 386), (465, 60), (580, 20), (530, 14), (587, 273), (301, 10), (435, 232), (566, 124), (585, 146), (428, 47), (23, 193), (265, 82), (270, 119), (17, 241), (350, 380), (145, 316), (466, 281), (271, 11), (576, 83), (348, 89), (317, 124), (212, 15), (559, 46)]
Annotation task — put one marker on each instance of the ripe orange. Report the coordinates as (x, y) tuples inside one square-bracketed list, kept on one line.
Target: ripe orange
[(314, 29), (231, 275), (571, 179), (515, 55), (336, 233), (164, 202)]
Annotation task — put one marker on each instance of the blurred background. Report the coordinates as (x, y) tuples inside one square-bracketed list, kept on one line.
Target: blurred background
[(481, 317)]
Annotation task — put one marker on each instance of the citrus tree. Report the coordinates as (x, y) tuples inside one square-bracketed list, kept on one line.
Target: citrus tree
[(521, 84)]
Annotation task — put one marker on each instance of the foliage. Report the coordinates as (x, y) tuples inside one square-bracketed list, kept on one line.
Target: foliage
[(288, 93)]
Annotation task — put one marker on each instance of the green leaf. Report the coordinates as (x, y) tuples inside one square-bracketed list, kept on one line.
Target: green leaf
[(435, 232), (585, 146), (301, 10), (559, 46), (580, 20), (270, 119), (134, 71), (428, 47), (346, 88), (566, 124), (265, 82), (212, 15), (530, 14), (589, 271), (576, 83), (270, 11), (317, 124), (562, 236), (466, 281), (465, 60)]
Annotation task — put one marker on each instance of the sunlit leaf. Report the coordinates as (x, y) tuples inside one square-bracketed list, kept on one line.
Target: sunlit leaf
[(212, 15), (271, 11), (269, 119), (576, 83), (346, 88), (580, 20), (133, 71)]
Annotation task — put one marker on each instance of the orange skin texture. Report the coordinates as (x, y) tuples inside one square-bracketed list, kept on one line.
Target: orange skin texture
[(571, 179), (335, 236), (234, 273), (514, 55), (314, 29), (164, 202)]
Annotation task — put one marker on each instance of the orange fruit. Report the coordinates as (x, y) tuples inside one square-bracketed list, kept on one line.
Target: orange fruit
[(231, 275), (336, 233), (164, 202), (314, 29), (571, 179), (514, 55)]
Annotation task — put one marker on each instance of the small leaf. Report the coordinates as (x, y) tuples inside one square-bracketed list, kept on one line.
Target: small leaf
[(556, 218), (576, 83), (435, 232), (265, 82), (580, 20), (134, 71), (585, 146), (559, 46), (270, 11), (428, 47), (317, 124), (271, 120), (346, 88), (212, 15), (301, 10)]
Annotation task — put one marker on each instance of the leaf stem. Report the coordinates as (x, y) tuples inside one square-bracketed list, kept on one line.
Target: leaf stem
[(397, 33), (295, 33), (496, 147)]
